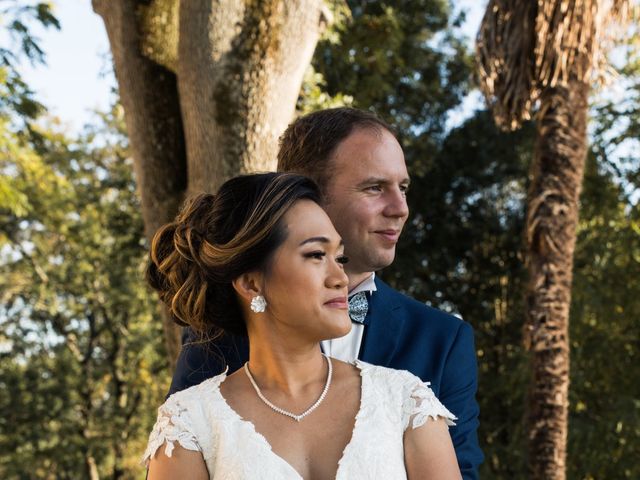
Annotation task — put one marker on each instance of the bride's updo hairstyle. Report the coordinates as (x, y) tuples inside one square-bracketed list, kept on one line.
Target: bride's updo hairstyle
[(215, 239)]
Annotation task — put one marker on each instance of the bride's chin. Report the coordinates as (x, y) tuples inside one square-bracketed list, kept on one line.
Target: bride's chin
[(338, 332)]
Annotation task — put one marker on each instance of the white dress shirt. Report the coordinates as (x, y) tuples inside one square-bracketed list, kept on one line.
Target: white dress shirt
[(347, 348)]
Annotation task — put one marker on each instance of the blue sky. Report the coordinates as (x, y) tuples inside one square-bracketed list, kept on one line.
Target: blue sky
[(78, 78), (71, 84)]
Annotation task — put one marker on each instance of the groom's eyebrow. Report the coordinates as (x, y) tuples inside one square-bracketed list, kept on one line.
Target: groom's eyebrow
[(382, 181), (318, 239)]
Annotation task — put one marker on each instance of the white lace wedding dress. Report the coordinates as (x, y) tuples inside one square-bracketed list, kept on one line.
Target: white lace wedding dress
[(200, 419)]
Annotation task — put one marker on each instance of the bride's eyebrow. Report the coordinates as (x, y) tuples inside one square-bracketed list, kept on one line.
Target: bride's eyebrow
[(319, 239)]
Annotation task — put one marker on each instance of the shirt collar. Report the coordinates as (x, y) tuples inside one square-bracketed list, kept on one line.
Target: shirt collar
[(367, 285)]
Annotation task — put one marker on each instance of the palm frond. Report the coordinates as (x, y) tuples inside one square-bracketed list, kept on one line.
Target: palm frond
[(565, 36), (505, 64), (525, 46)]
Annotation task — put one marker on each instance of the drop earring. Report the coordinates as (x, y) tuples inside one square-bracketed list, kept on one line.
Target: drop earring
[(258, 304)]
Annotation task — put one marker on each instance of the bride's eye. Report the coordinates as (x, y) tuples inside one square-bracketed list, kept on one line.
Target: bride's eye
[(342, 259), (318, 255)]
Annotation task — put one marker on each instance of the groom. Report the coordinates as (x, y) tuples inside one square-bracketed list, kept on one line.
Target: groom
[(359, 165)]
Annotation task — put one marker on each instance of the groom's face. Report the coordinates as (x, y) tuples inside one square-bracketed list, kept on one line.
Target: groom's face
[(366, 197)]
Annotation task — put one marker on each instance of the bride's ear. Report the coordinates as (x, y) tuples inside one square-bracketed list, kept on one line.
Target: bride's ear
[(248, 285)]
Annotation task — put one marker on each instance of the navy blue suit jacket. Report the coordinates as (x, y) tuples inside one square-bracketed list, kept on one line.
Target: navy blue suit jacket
[(399, 333)]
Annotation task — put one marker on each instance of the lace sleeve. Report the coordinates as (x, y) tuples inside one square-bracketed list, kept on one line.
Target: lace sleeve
[(422, 404), (173, 425)]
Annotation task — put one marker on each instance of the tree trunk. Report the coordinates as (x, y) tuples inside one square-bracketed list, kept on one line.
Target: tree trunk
[(149, 95), (556, 178), (240, 69)]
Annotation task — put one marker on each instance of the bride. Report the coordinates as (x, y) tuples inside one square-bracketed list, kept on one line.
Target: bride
[(261, 258)]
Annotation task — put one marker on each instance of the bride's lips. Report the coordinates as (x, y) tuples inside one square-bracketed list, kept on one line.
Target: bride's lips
[(389, 235), (338, 302)]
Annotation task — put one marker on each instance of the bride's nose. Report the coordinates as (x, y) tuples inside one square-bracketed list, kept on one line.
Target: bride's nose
[(337, 278)]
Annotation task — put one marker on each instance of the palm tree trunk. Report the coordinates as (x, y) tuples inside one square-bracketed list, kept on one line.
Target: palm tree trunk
[(556, 178)]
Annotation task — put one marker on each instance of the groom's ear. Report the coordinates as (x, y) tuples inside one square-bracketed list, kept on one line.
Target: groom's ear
[(248, 285)]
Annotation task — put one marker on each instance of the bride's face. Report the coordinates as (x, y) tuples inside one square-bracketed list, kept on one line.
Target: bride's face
[(306, 287)]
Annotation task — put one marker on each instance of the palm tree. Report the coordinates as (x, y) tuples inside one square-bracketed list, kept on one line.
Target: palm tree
[(541, 55)]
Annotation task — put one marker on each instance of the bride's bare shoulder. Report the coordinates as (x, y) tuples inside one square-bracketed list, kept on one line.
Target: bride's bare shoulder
[(345, 371)]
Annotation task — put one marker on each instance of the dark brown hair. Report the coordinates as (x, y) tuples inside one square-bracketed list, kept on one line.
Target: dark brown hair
[(308, 143), (217, 238)]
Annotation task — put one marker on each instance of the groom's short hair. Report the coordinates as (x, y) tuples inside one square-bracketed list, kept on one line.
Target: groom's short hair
[(306, 146)]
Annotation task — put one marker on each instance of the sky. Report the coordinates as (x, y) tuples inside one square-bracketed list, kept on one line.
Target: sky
[(78, 77)]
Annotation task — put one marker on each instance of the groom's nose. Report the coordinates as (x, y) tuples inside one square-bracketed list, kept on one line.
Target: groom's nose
[(396, 204)]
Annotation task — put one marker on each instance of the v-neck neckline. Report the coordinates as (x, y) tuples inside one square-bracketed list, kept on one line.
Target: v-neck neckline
[(347, 448)]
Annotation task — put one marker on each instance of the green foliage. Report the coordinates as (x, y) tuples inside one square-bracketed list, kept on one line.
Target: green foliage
[(314, 96), (400, 59), (17, 101), (11, 199), (81, 350), (604, 429), (18, 106)]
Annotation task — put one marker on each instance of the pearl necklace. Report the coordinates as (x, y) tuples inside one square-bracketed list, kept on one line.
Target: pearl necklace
[(282, 411)]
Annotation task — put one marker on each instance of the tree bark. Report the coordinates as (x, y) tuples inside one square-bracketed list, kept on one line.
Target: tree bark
[(149, 95), (552, 217), (240, 69)]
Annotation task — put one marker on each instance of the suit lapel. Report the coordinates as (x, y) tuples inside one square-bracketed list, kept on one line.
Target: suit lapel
[(382, 334)]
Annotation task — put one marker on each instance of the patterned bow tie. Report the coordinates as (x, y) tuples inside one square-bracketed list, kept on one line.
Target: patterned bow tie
[(358, 307)]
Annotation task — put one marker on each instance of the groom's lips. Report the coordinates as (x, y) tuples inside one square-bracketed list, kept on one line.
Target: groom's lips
[(389, 235)]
